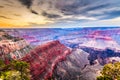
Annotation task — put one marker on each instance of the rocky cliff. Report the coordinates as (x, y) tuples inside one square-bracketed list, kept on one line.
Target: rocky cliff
[(12, 47), (44, 58), (77, 67)]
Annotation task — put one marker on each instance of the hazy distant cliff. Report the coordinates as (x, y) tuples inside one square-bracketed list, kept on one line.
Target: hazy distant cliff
[(12, 47)]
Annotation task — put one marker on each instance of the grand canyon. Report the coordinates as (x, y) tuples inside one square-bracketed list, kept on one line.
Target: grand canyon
[(66, 54)]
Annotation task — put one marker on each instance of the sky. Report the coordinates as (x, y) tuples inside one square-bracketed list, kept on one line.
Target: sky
[(59, 13)]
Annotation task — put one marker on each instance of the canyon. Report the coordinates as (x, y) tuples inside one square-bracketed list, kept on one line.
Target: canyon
[(62, 54)]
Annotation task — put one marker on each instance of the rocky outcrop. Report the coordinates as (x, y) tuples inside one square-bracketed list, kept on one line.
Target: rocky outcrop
[(44, 58), (12, 47), (72, 67), (84, 64)]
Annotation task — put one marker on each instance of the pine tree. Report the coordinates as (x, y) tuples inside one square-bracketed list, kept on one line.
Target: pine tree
[(15, 70), (110, 72)]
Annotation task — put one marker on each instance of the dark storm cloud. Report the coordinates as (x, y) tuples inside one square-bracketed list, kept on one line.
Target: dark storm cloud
[(50, 15), (83, 7), (94, 8), (84, 11), (68, 7), (52, 11), (27, 3), (74, 8)]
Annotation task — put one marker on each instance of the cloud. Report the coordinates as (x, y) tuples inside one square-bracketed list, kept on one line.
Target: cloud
[(18, 15), (26, 3), (34, 12), (42, 12), (8, 1), (5, 17), (113, 14), (1, 6), (50, 15), (92, 8), (99, 23)]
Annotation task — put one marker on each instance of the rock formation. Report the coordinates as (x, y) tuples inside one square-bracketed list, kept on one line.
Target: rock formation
[(44, 58), (12, 47)]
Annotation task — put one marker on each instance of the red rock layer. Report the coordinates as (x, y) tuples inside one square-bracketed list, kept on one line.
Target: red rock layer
[(44, 58)]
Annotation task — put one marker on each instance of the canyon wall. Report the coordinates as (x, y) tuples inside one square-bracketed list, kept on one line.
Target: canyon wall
[(44, 58)]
